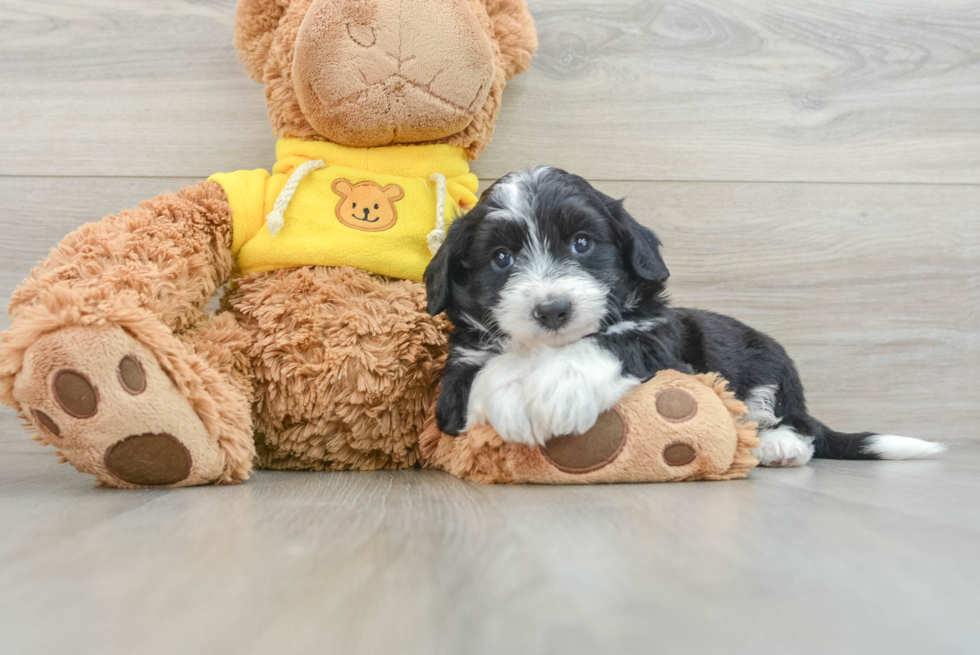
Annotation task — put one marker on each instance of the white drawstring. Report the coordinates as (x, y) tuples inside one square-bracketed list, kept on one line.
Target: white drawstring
[(438, 235), (276, 217)]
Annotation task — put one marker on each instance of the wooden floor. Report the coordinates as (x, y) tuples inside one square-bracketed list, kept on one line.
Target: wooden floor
[(837, 557), (813, 168)]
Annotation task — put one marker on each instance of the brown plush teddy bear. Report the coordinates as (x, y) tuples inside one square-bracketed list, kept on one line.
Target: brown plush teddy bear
[(317, 363), (323, 356)]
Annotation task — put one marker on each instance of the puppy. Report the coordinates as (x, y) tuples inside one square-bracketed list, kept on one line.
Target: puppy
[(557, 296)]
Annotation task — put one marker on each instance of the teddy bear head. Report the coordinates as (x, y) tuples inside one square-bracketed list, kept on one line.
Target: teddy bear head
[(366, 73)]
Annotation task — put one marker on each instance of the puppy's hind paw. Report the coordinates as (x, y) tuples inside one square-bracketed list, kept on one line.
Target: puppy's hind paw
[(783, 447)]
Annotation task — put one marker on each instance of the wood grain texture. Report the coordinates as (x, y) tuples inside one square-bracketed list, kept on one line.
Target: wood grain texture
[(883, 91), (873, 289), (837, 557), (797, 90)]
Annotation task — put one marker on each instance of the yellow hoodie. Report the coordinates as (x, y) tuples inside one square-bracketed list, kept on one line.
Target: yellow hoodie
[(374, 208)]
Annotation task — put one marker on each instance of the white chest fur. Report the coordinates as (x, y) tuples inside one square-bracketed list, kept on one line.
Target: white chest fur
[(529, 397)]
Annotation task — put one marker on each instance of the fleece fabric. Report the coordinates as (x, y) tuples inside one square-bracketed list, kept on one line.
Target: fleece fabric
[(371, 208)]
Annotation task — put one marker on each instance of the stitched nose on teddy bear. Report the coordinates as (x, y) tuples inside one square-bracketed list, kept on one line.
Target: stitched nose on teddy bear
[(377, 72)]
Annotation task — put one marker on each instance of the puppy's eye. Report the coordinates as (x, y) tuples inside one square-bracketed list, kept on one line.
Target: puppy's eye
[(581, 244), (354, 205), (501, 259), (375, 206)]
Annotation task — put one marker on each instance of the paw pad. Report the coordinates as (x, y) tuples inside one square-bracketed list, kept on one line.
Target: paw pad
[(75, 394), (679, 454), (149, 459), (131, 375), (589, 451), (676, 405), (47, 422)]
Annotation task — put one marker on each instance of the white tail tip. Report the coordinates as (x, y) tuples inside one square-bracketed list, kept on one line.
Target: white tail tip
[(890, 446)]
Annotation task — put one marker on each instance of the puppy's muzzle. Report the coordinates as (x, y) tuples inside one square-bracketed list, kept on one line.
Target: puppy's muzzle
[(553, 314)]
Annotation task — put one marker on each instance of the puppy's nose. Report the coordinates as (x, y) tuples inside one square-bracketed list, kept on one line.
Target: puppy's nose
[(553, 314)]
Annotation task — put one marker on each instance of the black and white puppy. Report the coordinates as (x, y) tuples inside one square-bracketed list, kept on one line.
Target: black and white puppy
[(557, 297)]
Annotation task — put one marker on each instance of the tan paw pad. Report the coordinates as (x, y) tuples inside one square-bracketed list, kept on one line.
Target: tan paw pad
[(131, 375), (149, 459), (589, 451), (47, 422), (676, 405), (75, 394), (679, 454), (103, 399)]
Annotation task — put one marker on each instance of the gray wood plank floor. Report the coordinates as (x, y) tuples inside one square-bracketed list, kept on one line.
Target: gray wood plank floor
[(813, 168), (838, 557)]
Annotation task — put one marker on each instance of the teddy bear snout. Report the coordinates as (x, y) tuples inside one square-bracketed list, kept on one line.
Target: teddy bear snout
[(402, 74)]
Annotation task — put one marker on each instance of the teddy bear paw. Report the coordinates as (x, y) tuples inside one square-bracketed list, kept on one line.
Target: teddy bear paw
[(102, 399)]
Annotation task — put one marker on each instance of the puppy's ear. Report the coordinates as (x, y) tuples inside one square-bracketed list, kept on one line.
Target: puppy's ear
[(436, 278), (640, 246), (438, 273)]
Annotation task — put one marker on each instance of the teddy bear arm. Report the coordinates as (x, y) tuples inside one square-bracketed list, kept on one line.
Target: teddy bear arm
[(112, 359)]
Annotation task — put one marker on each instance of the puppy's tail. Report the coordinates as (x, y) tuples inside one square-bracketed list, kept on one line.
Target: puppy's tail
[(830, 444)]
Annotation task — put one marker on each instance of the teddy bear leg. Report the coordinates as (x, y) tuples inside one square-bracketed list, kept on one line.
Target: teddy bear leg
[(112, 359), (114, 410)]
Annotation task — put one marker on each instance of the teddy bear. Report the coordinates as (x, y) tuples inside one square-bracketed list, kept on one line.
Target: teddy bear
[(322, 355)]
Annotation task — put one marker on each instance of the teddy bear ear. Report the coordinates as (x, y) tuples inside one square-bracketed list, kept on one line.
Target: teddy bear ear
[(341, 187), (255, 25), (513, 27), (393, 192)]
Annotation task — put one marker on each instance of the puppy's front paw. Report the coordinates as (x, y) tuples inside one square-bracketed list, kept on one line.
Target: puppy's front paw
[(558, 406), (568, 388), (451, 410), (496, 397), (509, 417)]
